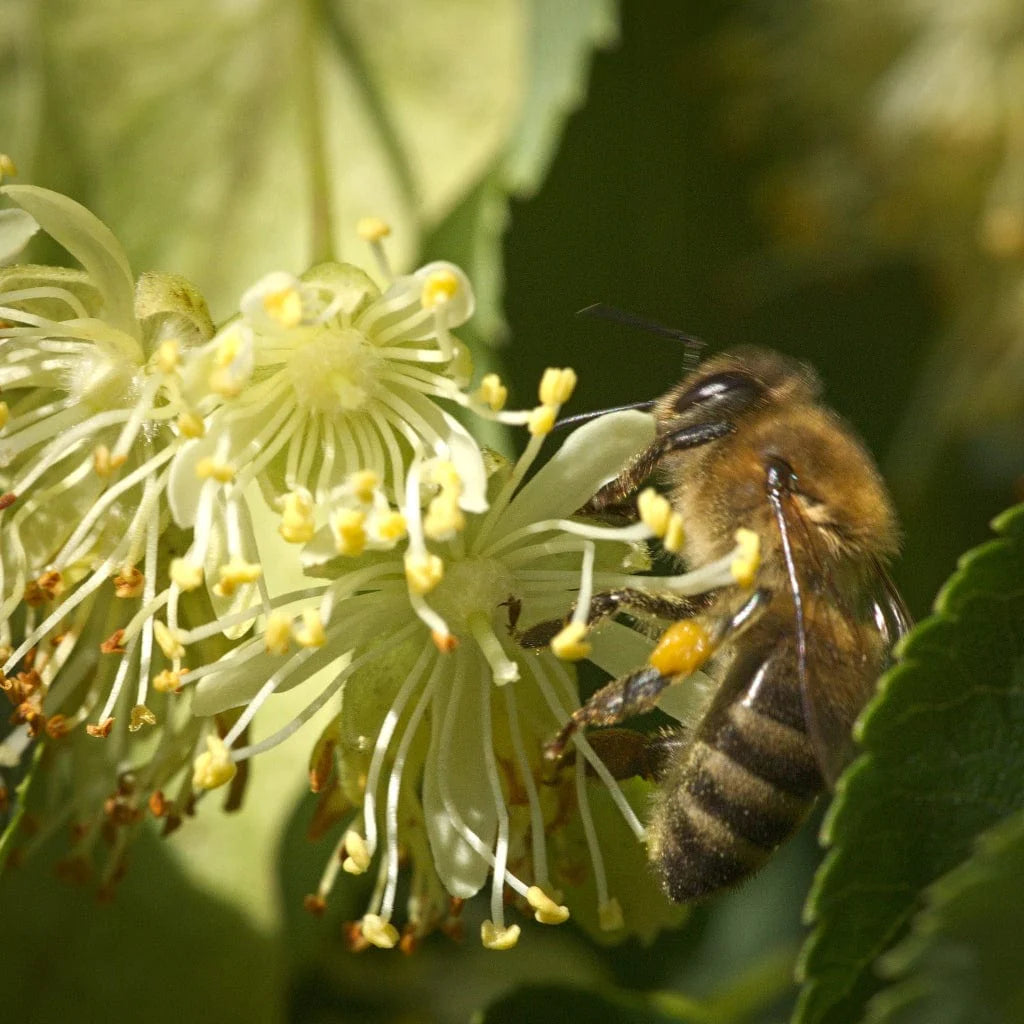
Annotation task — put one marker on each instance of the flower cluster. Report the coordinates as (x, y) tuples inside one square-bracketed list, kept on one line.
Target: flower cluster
[(193, 520)]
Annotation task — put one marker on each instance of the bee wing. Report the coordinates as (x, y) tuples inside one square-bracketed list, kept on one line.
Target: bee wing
[(837, 674)]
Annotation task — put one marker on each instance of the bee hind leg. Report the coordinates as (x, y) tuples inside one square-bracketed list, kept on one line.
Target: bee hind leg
[(622, 698)]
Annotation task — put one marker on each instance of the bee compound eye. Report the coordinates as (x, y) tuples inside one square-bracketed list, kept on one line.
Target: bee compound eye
[(729, 392)]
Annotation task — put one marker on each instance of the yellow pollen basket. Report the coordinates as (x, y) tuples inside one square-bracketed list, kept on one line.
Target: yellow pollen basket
[(682, 649)]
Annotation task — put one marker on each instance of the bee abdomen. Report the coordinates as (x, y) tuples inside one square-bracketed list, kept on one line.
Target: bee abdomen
[(739, 792)]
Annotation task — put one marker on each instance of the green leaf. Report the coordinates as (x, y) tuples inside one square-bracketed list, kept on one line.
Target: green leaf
[(961, 964), (243, 138), (162, 951), (943, 761)]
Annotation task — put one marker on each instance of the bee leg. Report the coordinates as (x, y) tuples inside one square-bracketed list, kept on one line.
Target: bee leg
[(631, 754), (613, 495), (638, 692), (622, 698), (671, 607)]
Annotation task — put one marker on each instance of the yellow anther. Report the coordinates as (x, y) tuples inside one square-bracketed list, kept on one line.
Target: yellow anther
[(372, 229), (5, 415), (747, 559), (654, 510), (187, 575), (545, 909), (570, 644), (277, 632), (349, 531), (492, 392), (609, 916), (392, 526), (167, 357), (209, 468), (682, 649), (225, 380), (363, 483), (541, 420), (168, 640), (357, 854), (284, 306), (439, 287), (213, 768), (444, 518), (297, 523), (444, 642), (423, 571), (104, 463), (311, 632), (167, 681), (498, 938), (675, 535), (378, 932), (7, 167), (129, 582), (140, 716), (557, 386), (228, 346), (234, 574), (190, 425)]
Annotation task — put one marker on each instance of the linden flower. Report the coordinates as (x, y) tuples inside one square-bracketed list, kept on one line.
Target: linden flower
[(435, 754), (92, 417), (88, 368), (324, 375)]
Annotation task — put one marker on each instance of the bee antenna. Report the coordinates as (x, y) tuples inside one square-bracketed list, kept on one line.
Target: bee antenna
[(694, 346), (586, 417)]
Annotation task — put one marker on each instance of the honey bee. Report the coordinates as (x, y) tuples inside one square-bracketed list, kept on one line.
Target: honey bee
[(744, 441)]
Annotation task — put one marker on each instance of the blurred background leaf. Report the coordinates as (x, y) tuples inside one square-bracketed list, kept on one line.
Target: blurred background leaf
[(961, 961)]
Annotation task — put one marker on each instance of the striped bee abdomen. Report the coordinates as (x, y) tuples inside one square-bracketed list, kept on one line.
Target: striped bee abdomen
[(744, 783)]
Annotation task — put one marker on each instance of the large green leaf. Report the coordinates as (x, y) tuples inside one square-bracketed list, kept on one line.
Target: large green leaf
[(962, 962), (943, 761), (242, 138)]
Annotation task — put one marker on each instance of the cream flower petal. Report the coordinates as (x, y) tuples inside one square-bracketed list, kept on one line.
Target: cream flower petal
[(591, 456), (455, 784), (16, 228), (90, 241)]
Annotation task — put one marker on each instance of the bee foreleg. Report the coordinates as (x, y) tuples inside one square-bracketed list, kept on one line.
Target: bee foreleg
[(612, 495), (622, 698)]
